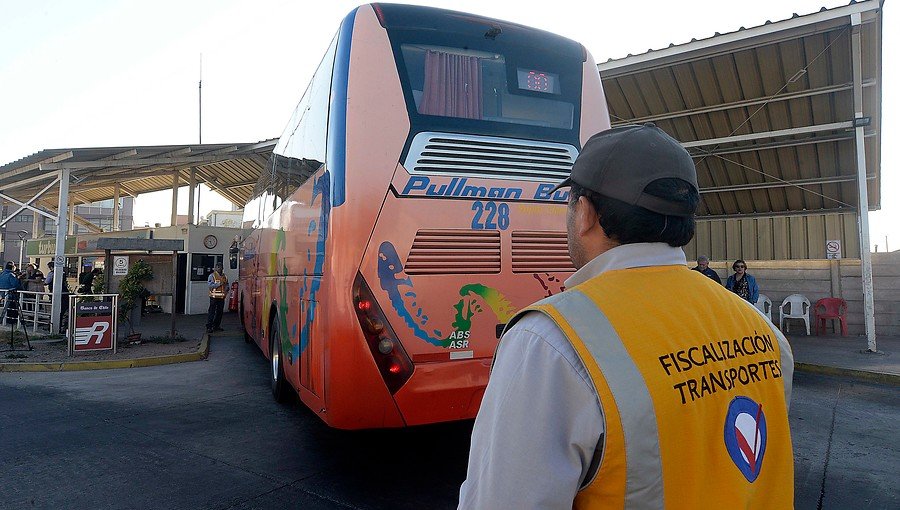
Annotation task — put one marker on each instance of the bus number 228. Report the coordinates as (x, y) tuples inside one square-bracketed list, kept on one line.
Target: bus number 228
[(495, 216)]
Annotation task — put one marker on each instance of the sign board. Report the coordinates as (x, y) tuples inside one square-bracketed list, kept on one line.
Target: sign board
[(93, 322), (103, 307), (120, 265), (93, 333), (46, 246), (833, 249)]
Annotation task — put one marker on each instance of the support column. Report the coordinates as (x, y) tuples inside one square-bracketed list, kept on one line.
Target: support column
[(174, 199), (862, 187), (835, 270), (70, 212), (174, 292), (36, 231), (59, 258), (192, 184), (116, 226)]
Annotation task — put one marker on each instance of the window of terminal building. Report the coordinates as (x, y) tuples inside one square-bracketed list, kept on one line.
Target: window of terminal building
[(202, 266)]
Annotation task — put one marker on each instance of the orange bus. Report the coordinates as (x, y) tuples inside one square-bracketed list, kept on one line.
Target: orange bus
[(406, 213)]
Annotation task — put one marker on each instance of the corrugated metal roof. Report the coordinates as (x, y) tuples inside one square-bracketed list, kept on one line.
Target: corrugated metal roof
[(230, 169), (767, 112)]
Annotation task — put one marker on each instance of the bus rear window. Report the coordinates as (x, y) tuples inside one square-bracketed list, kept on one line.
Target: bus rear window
[(471, 84)]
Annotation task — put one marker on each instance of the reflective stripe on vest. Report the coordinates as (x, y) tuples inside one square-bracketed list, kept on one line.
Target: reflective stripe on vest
[(675, 413), (218, 292), (624, 383)]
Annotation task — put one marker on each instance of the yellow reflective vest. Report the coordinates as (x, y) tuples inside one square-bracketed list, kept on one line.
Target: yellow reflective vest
[(690, 383), (220, 291)]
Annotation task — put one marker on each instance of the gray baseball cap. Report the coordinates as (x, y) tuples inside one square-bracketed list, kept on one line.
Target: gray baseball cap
[(620, 162)]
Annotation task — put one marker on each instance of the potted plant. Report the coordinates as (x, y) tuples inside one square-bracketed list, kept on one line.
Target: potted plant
[(132, 294)]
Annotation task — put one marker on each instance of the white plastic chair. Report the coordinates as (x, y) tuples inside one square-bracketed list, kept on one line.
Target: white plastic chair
[(798, 308), (765, 305)]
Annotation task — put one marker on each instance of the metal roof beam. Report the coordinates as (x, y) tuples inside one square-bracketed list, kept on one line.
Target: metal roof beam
[(223, 150), (101, 179), (85, 165), (776, 214), (782, 184), (267, 144), (29, 181), (239, 184), (819, 128), (81, 220), (176, 152), (128, 190), (743, 103), (127, 154), (702, 153), (37, 166), (22, 206)]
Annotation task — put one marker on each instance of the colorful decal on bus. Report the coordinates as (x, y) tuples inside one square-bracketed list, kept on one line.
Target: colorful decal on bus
[(393, 278), (312, 284)]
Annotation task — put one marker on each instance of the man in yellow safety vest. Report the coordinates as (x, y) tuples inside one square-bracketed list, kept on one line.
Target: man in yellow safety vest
[(624, 391), (218, 289)]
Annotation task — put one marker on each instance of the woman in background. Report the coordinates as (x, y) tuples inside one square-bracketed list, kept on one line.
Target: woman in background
[(741, 283)]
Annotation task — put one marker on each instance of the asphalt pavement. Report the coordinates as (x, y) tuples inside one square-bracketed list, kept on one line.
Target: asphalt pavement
[(208, 435)]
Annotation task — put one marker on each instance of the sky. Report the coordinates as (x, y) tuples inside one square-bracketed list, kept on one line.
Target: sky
[(102, 73)]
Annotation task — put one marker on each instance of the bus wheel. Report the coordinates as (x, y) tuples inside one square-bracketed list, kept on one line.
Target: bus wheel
[(276, 372)]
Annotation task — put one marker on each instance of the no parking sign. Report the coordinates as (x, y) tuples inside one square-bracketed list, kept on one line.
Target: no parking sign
[(120, 265)]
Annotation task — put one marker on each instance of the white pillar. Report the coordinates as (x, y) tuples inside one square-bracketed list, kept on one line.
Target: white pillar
[(59, 258), (116, 193), (174, 199), (862, 187), (70, 211), (192, 184), (36, 229)]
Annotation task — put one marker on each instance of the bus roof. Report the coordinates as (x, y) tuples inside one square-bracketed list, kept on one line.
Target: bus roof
[(415, 17)]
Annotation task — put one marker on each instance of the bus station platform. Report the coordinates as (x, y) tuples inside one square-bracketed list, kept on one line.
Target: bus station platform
[(847, 356)]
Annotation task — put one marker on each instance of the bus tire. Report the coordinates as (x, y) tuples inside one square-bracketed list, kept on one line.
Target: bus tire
[(276, 366)]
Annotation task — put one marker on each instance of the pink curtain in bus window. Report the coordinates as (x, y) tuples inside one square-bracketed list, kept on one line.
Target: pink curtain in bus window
[(452, 85)]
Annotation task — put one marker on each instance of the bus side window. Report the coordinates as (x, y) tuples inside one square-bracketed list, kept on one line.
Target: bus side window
[(300, 152)]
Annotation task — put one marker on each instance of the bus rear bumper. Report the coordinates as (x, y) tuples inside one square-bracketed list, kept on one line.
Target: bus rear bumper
[(443, 391)]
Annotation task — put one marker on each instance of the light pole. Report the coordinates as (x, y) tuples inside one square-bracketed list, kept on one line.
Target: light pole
[(23, 234)]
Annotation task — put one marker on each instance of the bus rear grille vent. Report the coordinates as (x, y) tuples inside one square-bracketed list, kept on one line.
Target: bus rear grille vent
[(489, 157), (540, 252), (454, 252)]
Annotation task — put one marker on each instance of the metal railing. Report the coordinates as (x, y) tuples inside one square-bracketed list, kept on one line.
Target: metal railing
[(34, 309)]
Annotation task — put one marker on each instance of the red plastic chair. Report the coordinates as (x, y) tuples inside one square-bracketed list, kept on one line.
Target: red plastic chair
[(830, 309)]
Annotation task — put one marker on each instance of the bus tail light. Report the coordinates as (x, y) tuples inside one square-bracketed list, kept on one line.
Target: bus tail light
[(393, 363)]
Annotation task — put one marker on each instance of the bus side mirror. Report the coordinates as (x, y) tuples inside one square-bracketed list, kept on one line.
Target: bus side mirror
[(233, 257)]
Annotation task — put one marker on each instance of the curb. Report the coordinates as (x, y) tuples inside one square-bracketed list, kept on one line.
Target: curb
[(72, 366), (860, 375)]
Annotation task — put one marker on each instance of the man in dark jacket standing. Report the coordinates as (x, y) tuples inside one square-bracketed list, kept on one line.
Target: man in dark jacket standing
[(703, 267), (8, 279)]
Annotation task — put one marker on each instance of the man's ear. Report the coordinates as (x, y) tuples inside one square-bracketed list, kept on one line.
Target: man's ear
[(586, 217)]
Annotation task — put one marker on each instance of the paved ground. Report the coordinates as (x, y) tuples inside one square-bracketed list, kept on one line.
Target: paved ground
[(848, 352), (208, 435)]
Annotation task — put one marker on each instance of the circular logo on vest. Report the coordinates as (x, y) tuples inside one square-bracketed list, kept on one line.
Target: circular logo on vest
[(745, 436)]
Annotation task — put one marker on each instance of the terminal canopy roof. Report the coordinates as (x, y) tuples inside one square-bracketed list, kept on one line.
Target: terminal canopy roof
[(230, 169), (767, 112)]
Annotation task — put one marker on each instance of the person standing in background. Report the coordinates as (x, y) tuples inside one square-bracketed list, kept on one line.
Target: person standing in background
[(742, 283), (218, 289), (703, 268)]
